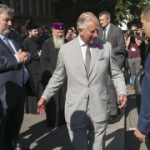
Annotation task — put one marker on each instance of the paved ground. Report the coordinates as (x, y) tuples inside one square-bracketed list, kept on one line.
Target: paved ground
[(131, 143), (36, 135)]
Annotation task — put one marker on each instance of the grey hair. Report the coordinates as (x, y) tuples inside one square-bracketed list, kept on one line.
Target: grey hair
[(105, 13), (5, 8), (84, 18), (146, 13)]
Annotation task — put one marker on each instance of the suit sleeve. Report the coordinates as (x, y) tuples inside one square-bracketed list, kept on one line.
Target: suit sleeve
[(144, 116), (7, 65), (116, 75), (120, 47), (57, 78)]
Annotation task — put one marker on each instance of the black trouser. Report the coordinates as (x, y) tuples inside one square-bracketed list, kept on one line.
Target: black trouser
[(10, 124)]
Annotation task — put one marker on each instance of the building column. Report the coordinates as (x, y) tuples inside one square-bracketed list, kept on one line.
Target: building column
[(21, 6), (11, 3), (49, 11), (38, 8), (30, 7), (44, 7)]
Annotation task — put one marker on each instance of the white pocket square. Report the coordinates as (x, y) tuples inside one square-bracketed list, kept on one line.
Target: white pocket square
[(101, 55)]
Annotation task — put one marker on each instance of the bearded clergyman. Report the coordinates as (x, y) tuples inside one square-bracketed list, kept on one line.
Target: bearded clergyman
[(50, 49)]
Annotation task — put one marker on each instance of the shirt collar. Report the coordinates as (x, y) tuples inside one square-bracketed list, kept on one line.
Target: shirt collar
[(81, 42), (107, 27), (2, 36)]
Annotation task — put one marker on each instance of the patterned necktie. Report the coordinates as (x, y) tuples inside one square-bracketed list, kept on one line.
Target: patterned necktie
[(8, 44), (104, 34), (87, 59)]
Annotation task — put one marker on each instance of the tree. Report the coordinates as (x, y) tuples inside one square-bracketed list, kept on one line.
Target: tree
[(120, 10), (129, 10)]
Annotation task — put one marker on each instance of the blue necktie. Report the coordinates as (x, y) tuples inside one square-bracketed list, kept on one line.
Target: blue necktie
[(6, 41)]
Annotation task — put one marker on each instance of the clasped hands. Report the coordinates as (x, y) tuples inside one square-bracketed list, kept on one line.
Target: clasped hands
[(23, 56)]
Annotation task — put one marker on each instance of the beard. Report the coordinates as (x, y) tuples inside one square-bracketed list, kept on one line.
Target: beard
[(6, 32), (58, 42)]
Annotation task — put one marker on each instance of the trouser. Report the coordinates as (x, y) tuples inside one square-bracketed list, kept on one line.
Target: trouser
[(88, 135), (134, 65), (10, 124), (55, 110)]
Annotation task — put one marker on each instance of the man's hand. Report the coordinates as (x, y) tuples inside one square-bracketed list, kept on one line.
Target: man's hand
[(23, 56), (139, 135), (122, 101), (41, 105)]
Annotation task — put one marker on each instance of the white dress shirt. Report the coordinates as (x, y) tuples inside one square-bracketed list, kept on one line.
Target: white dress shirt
[(83, 46)]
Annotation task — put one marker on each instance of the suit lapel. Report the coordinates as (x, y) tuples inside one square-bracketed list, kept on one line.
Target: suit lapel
[(15, 43), (96, 52), (6, 47), (109, 32)]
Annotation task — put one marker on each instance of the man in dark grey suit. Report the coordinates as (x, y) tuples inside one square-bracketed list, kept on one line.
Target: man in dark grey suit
[(12, 91), (113, 34), (3, 62), (86, 62)]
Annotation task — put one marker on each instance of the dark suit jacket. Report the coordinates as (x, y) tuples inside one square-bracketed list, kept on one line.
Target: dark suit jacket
[(3, 62), (144, 116), (116, 37), (11, 82)]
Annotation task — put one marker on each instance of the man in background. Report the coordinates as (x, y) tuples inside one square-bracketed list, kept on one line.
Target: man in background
[(31, 45), (113, 34)]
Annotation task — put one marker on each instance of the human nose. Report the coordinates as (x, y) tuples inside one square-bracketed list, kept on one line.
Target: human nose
[(10, 22), (95, 33), (60, 34)]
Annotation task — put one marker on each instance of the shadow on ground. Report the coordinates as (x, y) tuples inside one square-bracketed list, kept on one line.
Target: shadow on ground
[(115, 140), (41, 137)]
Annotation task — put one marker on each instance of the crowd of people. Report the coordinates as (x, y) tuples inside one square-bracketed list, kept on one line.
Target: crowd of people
[(78, 76)]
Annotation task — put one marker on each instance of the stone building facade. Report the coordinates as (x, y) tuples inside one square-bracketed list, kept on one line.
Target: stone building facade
[(47, 11), (42, 11)]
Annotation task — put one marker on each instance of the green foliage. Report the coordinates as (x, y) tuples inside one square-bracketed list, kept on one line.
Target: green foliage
[(120, 10), (129, 9)]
